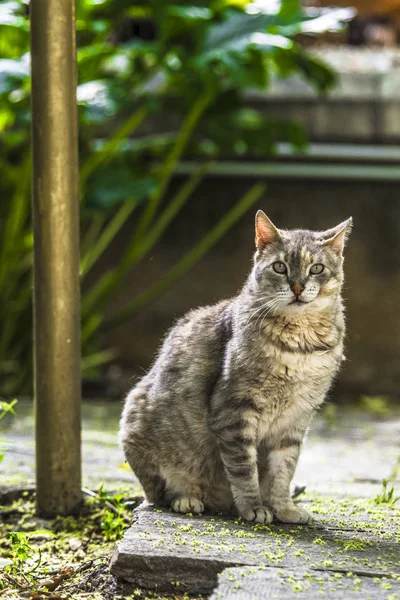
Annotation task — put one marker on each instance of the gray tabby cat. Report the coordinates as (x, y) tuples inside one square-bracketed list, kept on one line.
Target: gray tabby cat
[(218, 421)]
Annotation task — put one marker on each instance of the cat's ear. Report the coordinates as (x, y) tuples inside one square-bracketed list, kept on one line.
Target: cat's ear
[(337, 237), (266, 232)]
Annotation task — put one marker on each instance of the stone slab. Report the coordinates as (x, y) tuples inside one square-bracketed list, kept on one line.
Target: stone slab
[(253, 583), (163, 550)]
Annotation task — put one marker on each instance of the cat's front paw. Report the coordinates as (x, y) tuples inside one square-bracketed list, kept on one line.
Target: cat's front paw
[(187, 505), (257, 514), (293, 514)]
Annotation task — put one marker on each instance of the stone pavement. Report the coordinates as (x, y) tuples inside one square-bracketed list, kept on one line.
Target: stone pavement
[(103, 460), (255, 584), (352, 548)]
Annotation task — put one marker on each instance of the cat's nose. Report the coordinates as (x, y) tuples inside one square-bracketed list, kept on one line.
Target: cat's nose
[(297, 289)]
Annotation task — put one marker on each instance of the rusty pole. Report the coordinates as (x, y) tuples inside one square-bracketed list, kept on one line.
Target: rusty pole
[(56, 257)]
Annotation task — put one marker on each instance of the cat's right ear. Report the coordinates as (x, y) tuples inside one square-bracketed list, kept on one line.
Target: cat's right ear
[(266, 232)]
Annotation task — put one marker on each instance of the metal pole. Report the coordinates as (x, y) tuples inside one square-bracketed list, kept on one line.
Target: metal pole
[(56, 257)]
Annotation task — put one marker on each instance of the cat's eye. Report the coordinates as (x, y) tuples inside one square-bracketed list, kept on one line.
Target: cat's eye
[(317, 269), (279, 267)]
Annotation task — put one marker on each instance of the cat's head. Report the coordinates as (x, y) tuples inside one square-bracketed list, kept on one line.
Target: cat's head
[(299, 269)]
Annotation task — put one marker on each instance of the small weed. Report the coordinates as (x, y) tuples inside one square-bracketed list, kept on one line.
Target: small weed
[(112, 525), (114, 519), (387, 494), (5, 408), (376, 405), (20, 548), (22, 553)]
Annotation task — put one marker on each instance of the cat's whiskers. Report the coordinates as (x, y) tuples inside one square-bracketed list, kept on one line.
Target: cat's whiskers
[(256, 311), (264, 299), (262, 317), (264, 310), (269, 308)]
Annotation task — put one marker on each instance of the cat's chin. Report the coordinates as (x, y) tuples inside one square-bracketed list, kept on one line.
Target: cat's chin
[(318, 304), (297, 305)]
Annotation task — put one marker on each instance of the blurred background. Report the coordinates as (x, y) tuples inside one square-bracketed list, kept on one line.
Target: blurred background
[(185, 108)]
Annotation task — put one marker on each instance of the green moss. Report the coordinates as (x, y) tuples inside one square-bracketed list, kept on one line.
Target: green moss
[(327, 563), (386, 585), (319, 541), (298, 587)]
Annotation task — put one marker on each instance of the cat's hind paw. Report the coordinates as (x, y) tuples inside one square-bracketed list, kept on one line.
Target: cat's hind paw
[(293, 514), (257, 514), (187, 505)]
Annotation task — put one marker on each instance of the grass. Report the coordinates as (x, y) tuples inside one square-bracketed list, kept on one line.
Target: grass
[(69, 556), (62, 553), (387, 494)]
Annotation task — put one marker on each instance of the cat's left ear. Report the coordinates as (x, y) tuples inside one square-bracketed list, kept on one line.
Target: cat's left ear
[(337, 237)]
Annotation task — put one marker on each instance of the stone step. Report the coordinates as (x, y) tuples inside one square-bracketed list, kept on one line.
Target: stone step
[(165, 551)]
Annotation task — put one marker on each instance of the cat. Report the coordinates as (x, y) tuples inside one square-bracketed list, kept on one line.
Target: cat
[(219, 420)]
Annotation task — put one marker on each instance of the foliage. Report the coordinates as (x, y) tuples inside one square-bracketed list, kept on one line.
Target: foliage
[(189, 77)]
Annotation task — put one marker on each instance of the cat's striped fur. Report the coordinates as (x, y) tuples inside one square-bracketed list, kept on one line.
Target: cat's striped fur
[(218, 421)]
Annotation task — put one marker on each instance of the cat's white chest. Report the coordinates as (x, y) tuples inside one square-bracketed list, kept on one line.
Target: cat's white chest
[(295, 385), (302, 367)]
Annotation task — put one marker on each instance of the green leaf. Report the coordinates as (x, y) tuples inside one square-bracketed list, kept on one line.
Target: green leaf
[(11, 14), (7, 118), (290, 9), (315, 71), (195, 13), (235, 32), (12, 72), (114, 185)]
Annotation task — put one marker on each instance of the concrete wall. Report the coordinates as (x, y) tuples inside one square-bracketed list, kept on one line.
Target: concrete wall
[(372, 288), (363, 106)]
